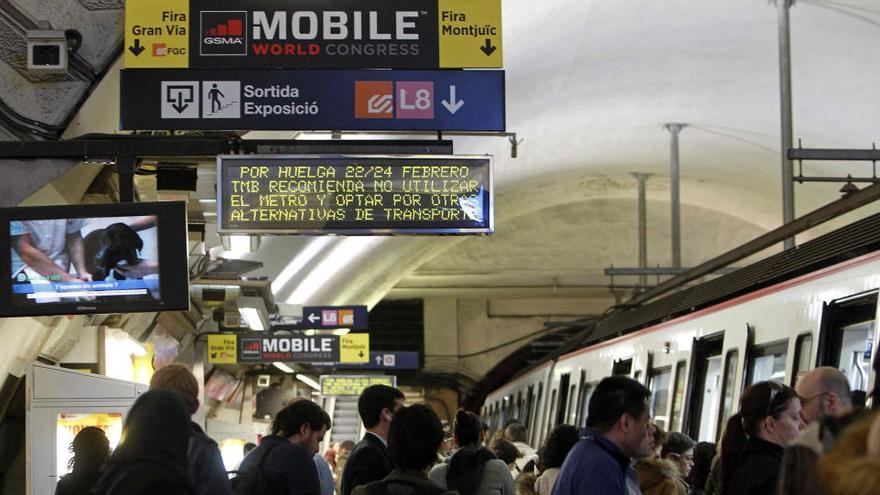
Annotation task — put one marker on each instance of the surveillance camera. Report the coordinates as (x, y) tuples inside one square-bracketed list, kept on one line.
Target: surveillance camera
[(47, 51)]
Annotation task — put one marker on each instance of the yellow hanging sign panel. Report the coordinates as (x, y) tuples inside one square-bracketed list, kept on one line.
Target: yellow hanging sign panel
[(354, 348), (156, 34), (222, 349), (470, 33)]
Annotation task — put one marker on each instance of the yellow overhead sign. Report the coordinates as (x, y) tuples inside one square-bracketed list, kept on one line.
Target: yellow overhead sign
[(156, 34), (353, 385), (470, 33), (222, 349), (354, 348)]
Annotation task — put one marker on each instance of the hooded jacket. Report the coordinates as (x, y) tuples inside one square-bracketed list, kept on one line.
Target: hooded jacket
[(660, 477)]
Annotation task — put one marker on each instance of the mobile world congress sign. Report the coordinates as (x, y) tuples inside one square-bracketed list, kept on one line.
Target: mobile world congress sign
[(312, 100), (300, 34), (273, 194)]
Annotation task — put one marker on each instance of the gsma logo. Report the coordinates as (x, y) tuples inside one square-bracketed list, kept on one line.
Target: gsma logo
[(223, 33)]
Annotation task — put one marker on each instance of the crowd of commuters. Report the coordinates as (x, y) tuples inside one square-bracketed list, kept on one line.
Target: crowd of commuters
[(812, 440)]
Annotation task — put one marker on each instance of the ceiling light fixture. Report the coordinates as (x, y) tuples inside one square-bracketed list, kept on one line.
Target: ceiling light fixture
[(308, 381), (283, 367)]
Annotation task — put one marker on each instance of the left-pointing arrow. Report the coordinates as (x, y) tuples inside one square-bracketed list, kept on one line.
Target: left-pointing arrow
[(136, 49)]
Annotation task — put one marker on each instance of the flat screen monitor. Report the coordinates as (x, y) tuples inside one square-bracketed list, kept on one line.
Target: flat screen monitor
[(105, 258)]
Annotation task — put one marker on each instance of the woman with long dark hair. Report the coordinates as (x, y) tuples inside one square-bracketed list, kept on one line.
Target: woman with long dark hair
[(151, 457), (90, 450), (472, 469), (552, 454), (751, 450)]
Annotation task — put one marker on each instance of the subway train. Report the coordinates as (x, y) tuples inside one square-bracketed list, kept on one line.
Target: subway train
[(695, 350)]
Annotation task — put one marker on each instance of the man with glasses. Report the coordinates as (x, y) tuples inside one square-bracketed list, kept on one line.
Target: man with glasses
[(825, 402)]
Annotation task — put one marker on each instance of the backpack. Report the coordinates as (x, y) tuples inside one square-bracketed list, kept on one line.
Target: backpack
[(252, 481)]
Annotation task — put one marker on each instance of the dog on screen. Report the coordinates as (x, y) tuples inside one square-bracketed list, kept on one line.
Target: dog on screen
[(114, 244)]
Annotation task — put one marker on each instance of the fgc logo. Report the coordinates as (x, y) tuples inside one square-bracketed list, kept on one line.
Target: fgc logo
[(222, 33)]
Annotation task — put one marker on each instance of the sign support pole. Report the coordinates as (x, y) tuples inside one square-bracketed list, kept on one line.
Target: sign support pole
[(785, 115), (125, 166)]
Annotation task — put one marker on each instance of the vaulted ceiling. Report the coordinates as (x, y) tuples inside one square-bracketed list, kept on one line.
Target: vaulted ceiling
[(590, 85)]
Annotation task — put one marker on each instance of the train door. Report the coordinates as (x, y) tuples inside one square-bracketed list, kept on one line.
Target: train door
[(701, 413), (847, 337)]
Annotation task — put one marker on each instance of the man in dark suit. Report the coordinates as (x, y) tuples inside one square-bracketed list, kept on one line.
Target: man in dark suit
[(369, 460)]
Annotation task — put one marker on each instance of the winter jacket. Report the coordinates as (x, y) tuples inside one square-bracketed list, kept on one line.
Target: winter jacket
[(847, 469), (207, 475), (402, 482), (798, 475), (757, 471), (544, 483), (288, 469), (660, 477), (596, 466)]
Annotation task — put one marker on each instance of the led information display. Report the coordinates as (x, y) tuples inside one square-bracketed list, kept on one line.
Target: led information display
[(273, 194), (353, 384)]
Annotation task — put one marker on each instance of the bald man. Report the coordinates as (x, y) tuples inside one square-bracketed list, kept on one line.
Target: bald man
[(824, 392), (825, 405)]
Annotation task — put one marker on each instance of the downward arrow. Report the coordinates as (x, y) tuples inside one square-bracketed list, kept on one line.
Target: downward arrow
[(452, 105), (179, 105), (488, 48), (137, 48)]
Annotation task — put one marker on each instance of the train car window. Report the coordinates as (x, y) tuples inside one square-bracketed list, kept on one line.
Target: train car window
[(704, 394), (585, 404), (622, 367), (803, 351), (855, 354), (658, 383), (527, 411), (846, 340), (539, 400), (678, 396), (727, 389), (519, 404), (767, 362), (580, 398), (562, 406), (550, 416), (572, 406)]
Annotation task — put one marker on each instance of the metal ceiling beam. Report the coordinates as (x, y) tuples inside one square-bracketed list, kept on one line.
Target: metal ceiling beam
[(834, 154)]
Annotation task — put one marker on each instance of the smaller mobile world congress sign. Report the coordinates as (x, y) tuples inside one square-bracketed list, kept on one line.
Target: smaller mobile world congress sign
[(352, 195)]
